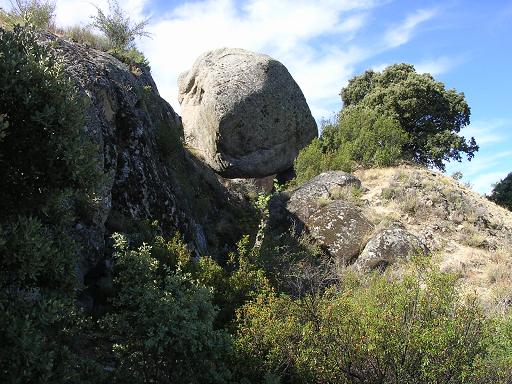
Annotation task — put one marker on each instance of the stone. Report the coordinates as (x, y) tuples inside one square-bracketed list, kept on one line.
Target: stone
[(388, 246), (340, 228), (307, 198), (244, 114)]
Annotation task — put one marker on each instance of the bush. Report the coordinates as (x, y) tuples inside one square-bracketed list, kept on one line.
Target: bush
[(84, 35), (359, 137), (118, 27), (415, 330), (161, 324), (46, 162), (431, 115), (44, 150), (39, 13)]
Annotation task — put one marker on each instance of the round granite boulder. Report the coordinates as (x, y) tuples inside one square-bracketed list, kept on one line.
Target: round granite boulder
[(243, 113)]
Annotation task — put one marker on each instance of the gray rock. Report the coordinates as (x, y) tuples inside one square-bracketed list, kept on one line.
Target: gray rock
[(388, 246), (307, 198), (244, 113), (340, 228)]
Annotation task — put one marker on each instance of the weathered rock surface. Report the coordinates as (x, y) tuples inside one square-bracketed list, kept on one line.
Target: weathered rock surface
[(318, 206), (244, 113), (388, 246), (306, 199), (340, 228), (148, 173)]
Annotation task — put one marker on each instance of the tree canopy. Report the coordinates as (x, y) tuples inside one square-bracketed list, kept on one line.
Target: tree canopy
[(430, 114), (502, 192)]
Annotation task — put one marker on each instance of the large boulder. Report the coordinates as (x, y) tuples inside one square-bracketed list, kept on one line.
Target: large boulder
[(334, 222), (388, 246), (244, 113)]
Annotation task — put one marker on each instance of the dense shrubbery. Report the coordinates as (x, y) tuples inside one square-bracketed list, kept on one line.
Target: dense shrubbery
[(431, 115), (417, 329), (118, 27), (39, 13), (358, 137), (44, 150), (161, 322), (46, 164)]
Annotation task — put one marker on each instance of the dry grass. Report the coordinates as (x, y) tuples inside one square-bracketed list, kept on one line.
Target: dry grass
[(472, 237)]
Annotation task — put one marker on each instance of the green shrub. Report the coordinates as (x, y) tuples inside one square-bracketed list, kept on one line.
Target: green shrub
[(39, 13), (161, 324), (84, 35), (44, 149), (358, 137), (502, 192), (117, 26), (423, 108), (415, 330), (46, 163)]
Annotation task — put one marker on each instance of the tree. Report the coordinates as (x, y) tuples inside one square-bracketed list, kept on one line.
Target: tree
[(432, 115), (502, 192), (118, 27)]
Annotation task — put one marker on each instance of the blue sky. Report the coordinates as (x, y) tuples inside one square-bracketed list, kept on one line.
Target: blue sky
[(465, 44)]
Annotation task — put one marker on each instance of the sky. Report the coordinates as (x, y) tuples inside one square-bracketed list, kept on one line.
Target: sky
[(466, 44)]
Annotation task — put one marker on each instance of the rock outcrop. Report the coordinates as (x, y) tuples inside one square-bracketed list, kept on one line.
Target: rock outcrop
[(148, 175), (388, 246), (340, 228), (244, 113)]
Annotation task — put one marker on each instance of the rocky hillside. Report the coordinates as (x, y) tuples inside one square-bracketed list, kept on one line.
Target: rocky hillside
[(369, 220), (467, 234), (190, 264)]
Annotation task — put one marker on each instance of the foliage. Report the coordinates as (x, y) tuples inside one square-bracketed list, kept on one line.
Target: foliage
[(44, 149), (84, 35), (414, 330), (501, 193), (46, 163), (431, 115), (358, 137), (39, 13), (117, 26), (161, 324)]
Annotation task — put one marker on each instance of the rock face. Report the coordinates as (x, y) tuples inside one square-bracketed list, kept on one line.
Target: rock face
[(244, 113), (340, 228), (148, 175), (388, 246)]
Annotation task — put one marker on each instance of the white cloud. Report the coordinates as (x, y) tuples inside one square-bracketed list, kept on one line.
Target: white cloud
[(490, 164), (487, 131), (438, 65), (401, 34)]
